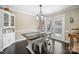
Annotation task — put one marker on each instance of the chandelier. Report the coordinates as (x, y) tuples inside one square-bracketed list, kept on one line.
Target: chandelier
[(40, 16)]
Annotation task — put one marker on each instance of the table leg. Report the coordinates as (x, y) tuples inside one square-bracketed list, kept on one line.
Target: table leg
[(53, 42)]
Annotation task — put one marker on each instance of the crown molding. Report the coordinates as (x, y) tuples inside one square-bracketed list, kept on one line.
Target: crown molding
[(16, 10), (64, 10)]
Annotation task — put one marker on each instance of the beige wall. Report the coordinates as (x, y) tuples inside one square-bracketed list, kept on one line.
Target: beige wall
[(24, 23), (68, 26), (27, 23)]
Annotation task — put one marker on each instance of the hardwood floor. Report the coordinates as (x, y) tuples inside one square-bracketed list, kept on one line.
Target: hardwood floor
[(20, 48), (17, 48)]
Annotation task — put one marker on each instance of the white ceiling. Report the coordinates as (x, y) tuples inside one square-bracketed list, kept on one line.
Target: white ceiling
[(34, 9)]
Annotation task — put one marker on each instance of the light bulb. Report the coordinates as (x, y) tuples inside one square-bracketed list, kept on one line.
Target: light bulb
[(37, 18), (44, 17)]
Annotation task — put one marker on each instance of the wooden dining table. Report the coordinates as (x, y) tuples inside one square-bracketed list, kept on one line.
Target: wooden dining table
[(36, 37)]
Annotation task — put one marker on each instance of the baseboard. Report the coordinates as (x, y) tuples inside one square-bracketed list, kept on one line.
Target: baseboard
[(20, 39)]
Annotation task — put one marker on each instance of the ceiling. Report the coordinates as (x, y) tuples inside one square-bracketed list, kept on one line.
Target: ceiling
[(35, 9)]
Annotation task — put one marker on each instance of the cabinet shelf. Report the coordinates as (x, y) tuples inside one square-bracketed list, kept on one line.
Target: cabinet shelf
[(8, 27)]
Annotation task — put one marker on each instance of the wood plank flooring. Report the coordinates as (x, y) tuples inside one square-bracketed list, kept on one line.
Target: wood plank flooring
[(20, 48)]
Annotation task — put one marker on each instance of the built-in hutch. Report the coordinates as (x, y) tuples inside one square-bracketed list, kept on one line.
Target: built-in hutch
[(7, 29)]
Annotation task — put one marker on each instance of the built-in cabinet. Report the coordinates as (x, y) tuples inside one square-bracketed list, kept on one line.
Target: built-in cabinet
[(7, 29)]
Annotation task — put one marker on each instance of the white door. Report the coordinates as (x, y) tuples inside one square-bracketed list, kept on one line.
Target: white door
[(59, 29)]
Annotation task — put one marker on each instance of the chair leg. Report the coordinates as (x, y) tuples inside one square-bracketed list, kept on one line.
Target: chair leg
[(71, 45)]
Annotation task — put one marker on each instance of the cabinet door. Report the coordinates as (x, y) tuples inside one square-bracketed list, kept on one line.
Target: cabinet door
[(6, 40), (12, 20), (12, 38), (9, 39), (6, 19), (1, 45)]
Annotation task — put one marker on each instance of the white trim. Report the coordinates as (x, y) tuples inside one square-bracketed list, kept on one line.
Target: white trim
[(16, 10), (1, 50), (20, 39), (63, 10), (27, 30)]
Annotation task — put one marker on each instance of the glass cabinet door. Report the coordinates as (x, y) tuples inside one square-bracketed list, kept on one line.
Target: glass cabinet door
[(6, 19), (12, 20)]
